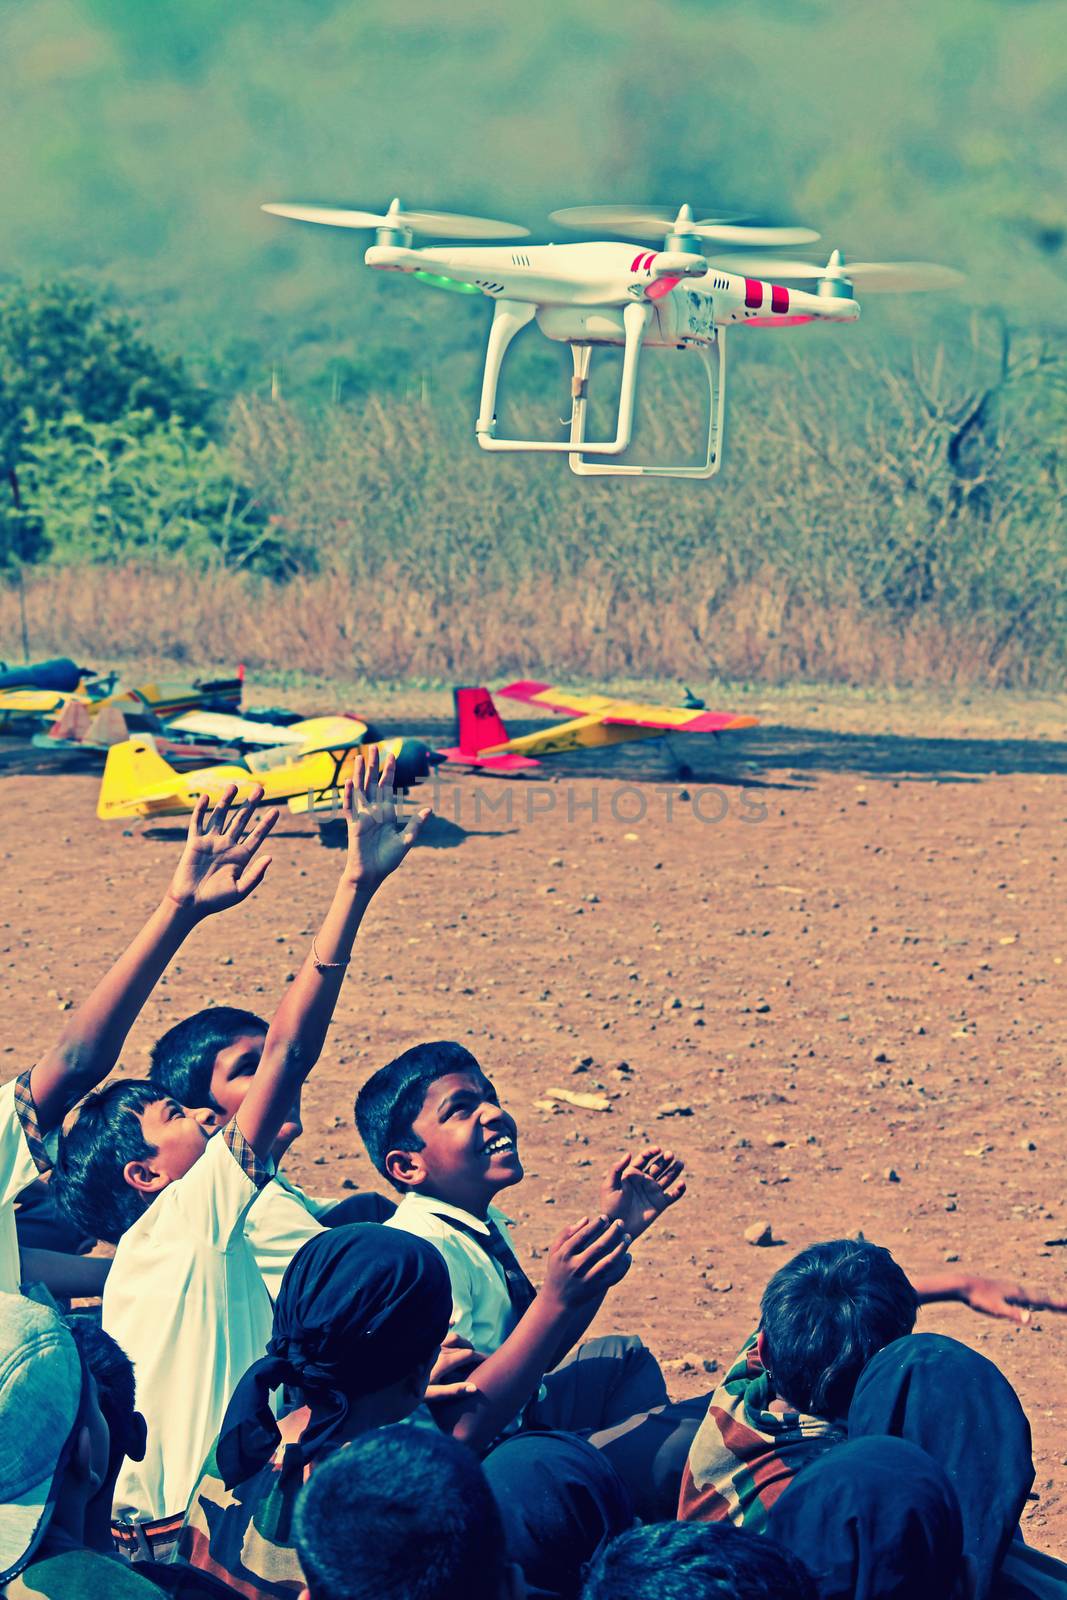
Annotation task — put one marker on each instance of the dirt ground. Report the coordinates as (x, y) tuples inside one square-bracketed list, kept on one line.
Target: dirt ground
[(825, 968)]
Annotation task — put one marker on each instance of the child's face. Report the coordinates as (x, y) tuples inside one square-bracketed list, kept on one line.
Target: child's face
[(179, 1138), (231, 1078), (469, 1144)]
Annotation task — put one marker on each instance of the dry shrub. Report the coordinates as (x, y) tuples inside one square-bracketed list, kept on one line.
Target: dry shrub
[(894, 527), (593, 626)]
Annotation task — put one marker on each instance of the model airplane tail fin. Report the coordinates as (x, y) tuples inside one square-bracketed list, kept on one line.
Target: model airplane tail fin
[(130, 769), (479, 725)]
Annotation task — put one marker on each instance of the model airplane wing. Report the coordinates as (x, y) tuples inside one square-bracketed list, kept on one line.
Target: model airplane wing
[(625, 713)]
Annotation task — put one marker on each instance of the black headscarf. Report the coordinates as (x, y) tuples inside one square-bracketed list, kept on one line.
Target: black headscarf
[(962, 1411), (561, 1501), (358, 1308), (874, 1519)]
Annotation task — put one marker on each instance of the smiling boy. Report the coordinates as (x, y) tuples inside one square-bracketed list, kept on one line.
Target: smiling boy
[(433, 1125)]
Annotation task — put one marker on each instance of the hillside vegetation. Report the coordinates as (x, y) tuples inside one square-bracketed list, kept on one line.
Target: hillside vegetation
[(890, 508)]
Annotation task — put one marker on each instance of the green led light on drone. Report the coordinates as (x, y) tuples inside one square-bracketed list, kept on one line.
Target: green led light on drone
[(438, 282)]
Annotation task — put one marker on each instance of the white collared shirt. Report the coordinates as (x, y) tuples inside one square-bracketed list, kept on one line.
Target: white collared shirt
[(19, 1167), (281, 1219), (481, 1307), (185, 1300)]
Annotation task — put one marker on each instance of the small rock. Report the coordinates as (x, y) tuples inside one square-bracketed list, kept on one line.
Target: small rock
[(1027, 1144), (774, 1142), (556, 861), (951, 1255), (879, 1058), (891, 1175), (763, 1005), (759, 1233), (674, 1111)]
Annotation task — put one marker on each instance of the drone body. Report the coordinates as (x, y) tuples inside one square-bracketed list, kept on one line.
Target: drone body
[(612, 294)]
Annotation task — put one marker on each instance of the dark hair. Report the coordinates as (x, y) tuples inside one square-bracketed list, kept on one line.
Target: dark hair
[(182, 1060), (88, 1180), (681, 1560), (825, 1314), (402, 1513), (392, 1098), (112, 1372)]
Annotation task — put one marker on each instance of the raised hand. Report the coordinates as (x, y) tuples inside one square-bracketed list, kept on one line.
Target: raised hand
[(636, 1192), (1002, 1297), (220, 865), (586, 1260), (377, 842)]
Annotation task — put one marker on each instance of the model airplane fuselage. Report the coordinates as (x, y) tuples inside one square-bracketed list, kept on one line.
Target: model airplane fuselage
[(138, 782)]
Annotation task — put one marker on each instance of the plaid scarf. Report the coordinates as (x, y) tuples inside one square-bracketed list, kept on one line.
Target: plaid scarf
[(748, 1449)]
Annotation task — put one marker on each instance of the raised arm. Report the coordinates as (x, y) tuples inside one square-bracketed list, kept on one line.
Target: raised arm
[(583, 1264), (994, 1297), (219, 868), (377, 844)]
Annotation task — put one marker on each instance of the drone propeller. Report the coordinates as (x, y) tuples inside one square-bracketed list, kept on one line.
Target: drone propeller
[(652, 222), (873, 277), (434, 224)]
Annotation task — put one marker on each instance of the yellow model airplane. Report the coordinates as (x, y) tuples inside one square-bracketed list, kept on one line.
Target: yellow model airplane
[(138, 782), (603, 720)]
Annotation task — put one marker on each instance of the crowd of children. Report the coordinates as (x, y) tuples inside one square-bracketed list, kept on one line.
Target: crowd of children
[(287, 1396)]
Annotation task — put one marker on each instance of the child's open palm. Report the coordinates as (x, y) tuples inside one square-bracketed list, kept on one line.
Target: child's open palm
[(377, 842), (636, 1192), (220, 865)]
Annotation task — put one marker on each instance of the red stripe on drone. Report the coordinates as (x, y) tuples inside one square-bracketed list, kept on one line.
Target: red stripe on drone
[(643, 262), (753, 293), (635, 264), (779, 298)]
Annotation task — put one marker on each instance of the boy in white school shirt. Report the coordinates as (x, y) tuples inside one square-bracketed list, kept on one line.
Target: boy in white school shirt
[(184, 1297), (210, 1060), (217, 870)]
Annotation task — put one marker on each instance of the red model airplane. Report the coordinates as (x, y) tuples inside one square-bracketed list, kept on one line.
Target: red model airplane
[(484, 741)]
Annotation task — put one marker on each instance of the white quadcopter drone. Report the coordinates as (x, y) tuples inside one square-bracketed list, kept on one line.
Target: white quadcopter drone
[(676, 298)]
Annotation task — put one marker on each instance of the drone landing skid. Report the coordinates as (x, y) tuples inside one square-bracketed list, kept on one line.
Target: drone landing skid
[(511, 316), (713, 357)]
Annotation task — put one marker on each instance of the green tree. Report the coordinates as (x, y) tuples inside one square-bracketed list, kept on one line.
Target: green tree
[(63, 352), (139, 488)]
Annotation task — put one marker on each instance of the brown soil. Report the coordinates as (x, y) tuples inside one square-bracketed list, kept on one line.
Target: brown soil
[(853, 972)]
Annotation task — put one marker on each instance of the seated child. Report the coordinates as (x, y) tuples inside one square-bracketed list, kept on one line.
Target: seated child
[(876, 1517), (184, 1297), (359, 1319), (54, 1450), (433, 1126), (403, 1514), (217, 870), (684, 1561), (112, 1372), (824, 1316), (210, 1059)]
